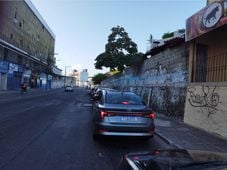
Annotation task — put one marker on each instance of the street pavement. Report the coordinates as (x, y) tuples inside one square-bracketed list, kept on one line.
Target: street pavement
[(12, 95), (53, 130)]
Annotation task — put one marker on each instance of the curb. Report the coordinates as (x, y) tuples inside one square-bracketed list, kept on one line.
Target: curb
[(168, 141)]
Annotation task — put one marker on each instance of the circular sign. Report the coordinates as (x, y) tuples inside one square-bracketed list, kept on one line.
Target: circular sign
[(212, 15)]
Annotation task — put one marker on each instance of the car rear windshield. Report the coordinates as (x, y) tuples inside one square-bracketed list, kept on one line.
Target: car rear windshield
[(119, 98)]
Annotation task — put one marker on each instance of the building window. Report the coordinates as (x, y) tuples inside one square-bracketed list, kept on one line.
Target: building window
[(201, 63), (209, 68), (20, 24), (217, 68), (15, 14), (11, 36)]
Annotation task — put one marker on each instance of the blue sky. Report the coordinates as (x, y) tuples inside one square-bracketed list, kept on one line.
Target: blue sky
[(82, 27)]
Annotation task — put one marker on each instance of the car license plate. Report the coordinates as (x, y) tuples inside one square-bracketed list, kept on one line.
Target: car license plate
[(129, 119)]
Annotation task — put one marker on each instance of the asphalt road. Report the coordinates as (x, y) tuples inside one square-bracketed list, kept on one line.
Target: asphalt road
[(53, 130)]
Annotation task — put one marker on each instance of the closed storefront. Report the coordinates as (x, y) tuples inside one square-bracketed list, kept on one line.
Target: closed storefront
[(14, 76)]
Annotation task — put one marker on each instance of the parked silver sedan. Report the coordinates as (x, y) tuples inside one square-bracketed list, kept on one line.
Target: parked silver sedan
[(122, 114)]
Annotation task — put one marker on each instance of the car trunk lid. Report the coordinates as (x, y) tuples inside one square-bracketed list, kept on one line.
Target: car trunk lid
[(128, 114)]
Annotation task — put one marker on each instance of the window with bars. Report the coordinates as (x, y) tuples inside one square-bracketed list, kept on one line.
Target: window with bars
[(217, 68), (209, 68)]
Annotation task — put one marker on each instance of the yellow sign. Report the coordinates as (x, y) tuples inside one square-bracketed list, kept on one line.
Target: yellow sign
[(211, 1)]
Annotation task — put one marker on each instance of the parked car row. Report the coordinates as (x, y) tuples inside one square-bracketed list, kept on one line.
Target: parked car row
[(118, 113)]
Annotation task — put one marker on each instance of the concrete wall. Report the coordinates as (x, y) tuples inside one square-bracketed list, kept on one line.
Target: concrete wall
[(162, 81), (206, 107)]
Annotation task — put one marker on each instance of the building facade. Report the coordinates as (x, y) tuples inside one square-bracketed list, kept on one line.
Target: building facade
[(76, 74), (84, 77), (206, 102), (26, 45)]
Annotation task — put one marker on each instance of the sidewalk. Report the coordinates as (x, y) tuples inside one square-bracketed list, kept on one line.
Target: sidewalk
[(184, 136)]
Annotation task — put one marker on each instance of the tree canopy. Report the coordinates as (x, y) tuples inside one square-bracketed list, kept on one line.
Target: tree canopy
[(98, 78), (120, 51), (50, 64), (167, 35)]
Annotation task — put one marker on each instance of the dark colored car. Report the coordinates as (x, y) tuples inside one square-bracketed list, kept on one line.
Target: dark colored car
[(122, 114), (97, 90), (69, 89), (175, 159)]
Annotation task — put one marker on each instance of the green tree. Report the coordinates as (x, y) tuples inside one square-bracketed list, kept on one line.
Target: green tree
[(137, 61), (119, 53), (50, 64), (98, 78), (167, 35)]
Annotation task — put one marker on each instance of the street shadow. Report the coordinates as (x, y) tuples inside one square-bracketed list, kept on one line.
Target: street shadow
[(124, 142)]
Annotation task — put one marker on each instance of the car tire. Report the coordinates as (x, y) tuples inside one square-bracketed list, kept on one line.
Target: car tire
[(96, 136), (146, 138)]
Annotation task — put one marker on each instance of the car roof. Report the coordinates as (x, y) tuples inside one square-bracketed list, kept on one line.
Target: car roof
[(106, 89)]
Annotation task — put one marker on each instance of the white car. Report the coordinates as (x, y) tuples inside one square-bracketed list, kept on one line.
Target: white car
[(69, 89)]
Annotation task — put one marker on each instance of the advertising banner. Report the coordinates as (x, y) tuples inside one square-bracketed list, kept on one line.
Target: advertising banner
[(207, 19), (13, 67)]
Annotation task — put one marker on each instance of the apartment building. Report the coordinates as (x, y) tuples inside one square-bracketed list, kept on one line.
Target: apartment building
[(26, 45)]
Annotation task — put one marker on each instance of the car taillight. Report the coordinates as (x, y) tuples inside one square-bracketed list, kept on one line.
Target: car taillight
[(125, 102), (103, 114), (151, 115)]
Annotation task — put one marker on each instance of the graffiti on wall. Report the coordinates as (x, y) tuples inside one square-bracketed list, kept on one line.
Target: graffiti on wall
[(207, 100), (157, 70)]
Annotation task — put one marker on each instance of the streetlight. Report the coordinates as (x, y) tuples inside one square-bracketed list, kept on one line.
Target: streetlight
[(65, 74)]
